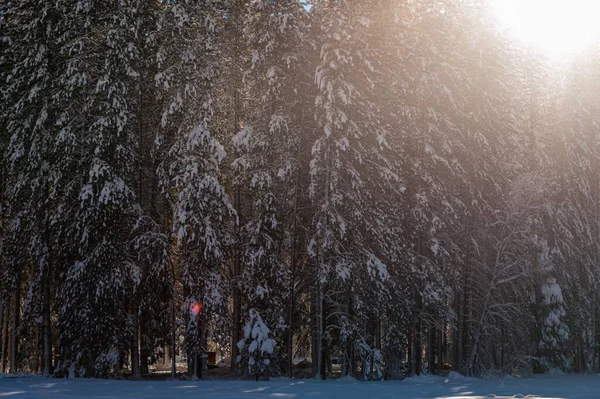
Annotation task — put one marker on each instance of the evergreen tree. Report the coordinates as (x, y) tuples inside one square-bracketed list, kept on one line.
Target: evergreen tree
[(101, 78), (270, 161), (28, 115), (187, 71), (256, 348), (351, 178)]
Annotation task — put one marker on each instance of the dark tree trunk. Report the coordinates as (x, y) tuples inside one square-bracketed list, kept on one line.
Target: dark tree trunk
[(411, 352), (237, 314), (40, 352), (46, 326), (290, 333), (14, 341), (144, 355), (5, 330), (2, 334), (173, 339), (135, 354), (321, 354), (462, 323), (440, 343), (166, 361), (237, 270), (418, 348), (237, 261), (431, 343), (314, 333), (324, 359), (33, 358), (293, 262), (147, 200)]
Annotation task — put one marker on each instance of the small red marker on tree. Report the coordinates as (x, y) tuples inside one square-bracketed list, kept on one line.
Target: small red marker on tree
[(196, 308)]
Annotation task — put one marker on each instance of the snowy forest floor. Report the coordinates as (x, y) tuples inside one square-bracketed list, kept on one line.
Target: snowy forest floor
[(423, 387)]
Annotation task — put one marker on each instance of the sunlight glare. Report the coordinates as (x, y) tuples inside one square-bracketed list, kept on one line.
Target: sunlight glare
[(554, 26)]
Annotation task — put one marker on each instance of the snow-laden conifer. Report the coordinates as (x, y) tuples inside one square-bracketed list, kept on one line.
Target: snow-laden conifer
[(190, 174)]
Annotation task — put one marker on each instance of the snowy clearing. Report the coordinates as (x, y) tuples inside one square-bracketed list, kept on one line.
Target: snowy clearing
[(424, 387)]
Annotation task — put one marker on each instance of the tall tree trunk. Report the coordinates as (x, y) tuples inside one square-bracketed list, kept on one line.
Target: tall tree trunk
[(293, 263), (502, 347), (237, 260), (191, 355), (166, 361), (411, 350), (5, 332), (144, 355), (415, 339), (173, 323), (14, 338), (47, 332), (431, 343), (321, 262), (237, 305), (135, 354), (40, 351), (480, 328), (378, 332), (46, 281), (199, 358), (473, 353), (596, 334), (346, 359), (33, 355), (173, 335), (237, 312), (463, 320), (319, 331), (441, 346), (5, 335), (3, 307), (314, 347), (352, 360), (2, 334), (290, 332), (136, 368), (418, 348)]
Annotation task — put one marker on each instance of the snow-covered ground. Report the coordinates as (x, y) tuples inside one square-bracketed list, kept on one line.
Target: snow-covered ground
[(424, 387)]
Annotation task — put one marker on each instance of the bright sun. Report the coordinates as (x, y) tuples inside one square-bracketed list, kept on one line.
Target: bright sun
[(554, 26)]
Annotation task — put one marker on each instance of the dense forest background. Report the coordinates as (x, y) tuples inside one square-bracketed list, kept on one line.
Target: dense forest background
[(394, 187)]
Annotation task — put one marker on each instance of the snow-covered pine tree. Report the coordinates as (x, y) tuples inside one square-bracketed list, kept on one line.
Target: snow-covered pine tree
[(578, 217), (231, 95), (155, 294), (269, 161), (190, 175), (501, 282), (151, 303), (352, 183), (5, 64), (555, 331), (28, 114), (464, 170), (537, 150), (98, 149), (256, 359), (419, 132)]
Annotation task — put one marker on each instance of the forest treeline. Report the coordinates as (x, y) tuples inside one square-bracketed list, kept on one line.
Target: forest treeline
[(393, 186)]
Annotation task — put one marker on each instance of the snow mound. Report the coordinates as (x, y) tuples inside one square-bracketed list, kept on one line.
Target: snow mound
[(555, 371), (17, 375), (424, 379), (453, 375)]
